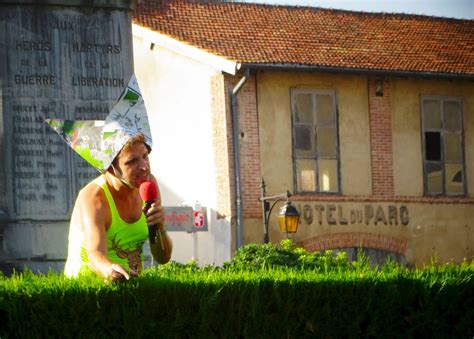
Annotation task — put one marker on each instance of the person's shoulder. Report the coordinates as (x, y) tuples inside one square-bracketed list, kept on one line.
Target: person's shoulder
[(92, 192), (91, 203)]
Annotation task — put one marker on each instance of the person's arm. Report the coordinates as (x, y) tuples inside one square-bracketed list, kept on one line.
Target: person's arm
[(156, 216), (92, 212)]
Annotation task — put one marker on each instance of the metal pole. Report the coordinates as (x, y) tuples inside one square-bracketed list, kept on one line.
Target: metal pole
[(264, 212), (236, 144)]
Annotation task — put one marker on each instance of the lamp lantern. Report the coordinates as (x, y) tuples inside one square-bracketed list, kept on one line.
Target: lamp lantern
[(288, 218)]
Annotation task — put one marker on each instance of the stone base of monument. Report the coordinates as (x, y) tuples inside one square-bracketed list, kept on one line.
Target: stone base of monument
[(10, 266), (39, 246)]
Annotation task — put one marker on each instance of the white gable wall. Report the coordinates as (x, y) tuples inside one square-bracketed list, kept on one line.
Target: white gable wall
[(176, 90)]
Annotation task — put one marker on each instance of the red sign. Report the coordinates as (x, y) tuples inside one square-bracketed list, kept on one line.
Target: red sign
[(198, 219)]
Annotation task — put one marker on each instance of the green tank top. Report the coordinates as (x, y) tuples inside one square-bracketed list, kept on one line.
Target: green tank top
[(124, 240)]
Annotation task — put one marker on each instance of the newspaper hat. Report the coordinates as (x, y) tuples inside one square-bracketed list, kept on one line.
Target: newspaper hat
[(98, 141)]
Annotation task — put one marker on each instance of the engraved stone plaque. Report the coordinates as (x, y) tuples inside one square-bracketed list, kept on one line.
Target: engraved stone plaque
[(56, 62)]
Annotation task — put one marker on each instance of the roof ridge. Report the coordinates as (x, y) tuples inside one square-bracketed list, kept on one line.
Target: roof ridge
[(288, 6), (266, 34)]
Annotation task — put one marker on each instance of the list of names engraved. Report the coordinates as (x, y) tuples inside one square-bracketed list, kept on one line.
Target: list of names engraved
[(60, 63)]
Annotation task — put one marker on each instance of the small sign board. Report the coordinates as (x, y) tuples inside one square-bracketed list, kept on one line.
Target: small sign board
[(185, 219)]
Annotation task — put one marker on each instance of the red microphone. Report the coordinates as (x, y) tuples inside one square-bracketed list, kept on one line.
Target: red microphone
[(149, 193)]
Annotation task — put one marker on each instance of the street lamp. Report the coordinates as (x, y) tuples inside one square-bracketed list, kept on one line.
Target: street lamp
[(288, 218)]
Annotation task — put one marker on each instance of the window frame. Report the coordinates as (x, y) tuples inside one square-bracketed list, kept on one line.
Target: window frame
[(314, 92), (442, 130)]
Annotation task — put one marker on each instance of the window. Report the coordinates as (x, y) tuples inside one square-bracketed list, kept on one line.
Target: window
[(315, 141), (443, 146)]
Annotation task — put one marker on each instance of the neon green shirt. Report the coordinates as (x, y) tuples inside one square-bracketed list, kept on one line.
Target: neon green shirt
[(124, 240)]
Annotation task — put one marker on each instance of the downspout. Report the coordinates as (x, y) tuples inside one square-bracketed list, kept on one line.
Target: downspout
[(236, 144)]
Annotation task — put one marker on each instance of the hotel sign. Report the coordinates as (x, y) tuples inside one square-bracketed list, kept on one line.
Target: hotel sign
[(368, 214)]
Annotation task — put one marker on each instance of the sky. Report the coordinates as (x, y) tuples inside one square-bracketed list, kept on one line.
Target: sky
[(460, 9)]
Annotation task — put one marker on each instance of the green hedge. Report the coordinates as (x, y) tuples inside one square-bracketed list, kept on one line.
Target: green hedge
[(266, 300)]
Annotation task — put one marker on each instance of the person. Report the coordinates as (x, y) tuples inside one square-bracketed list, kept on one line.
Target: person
[(108, 227)]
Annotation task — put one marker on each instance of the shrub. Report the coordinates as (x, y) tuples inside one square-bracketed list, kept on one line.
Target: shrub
[(255, 256), (316, 296)]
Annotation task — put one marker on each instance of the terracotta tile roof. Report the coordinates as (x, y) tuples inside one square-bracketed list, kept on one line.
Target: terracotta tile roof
[(287, 35)]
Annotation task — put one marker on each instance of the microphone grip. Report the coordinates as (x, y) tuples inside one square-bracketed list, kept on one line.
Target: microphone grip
[(153, 230)]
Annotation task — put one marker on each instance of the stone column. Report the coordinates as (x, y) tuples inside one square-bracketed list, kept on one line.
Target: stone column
[(59, 59)]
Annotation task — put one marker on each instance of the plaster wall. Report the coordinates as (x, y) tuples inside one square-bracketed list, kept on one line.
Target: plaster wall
[(406, 123), (428, 231), (434, 228), (274, 114), (176, 90), (440, 231)]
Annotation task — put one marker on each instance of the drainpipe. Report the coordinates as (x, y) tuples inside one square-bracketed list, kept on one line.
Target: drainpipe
[(236, 144)]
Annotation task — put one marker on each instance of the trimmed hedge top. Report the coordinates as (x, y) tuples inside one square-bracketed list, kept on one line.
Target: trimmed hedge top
[(265, 291)]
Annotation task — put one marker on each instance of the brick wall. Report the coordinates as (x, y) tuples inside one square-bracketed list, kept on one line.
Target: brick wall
[(351, 239), (222, 142), (381, 139), (249, 149), (221, 86)]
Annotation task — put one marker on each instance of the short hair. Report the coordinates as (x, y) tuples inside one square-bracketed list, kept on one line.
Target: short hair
[(136, 139)]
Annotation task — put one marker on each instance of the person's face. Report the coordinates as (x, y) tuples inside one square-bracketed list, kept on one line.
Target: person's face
[(134, 164)]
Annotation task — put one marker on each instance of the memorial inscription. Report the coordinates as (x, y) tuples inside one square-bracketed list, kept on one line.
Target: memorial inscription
[(57, 63)]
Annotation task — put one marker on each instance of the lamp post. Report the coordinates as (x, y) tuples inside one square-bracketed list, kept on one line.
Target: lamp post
[(288, 218)]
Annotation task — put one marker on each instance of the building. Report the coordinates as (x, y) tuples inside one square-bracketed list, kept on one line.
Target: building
[(368, 119)]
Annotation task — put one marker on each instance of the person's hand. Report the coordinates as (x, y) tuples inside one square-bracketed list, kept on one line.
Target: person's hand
[(117, 273), (155, 215)]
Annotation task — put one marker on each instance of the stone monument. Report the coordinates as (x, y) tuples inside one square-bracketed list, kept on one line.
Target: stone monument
[(61, 59)]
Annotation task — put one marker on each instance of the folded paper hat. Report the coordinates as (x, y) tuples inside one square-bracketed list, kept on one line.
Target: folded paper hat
[(99, 141)]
